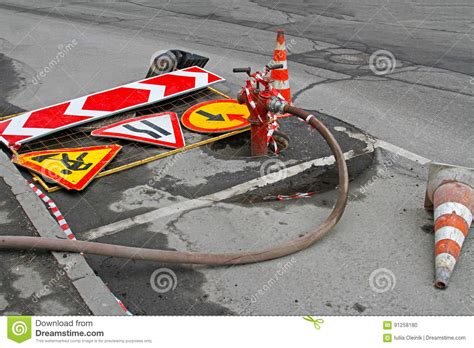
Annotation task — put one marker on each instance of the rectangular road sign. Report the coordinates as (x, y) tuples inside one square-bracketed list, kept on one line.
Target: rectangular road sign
[(41, 122)]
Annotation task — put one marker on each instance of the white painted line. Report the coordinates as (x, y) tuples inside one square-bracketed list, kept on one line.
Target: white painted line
[(251, 185), (402, 152), (222, 195)]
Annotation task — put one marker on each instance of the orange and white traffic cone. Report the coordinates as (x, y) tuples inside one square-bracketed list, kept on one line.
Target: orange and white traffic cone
[(280, 76), (450, 191)]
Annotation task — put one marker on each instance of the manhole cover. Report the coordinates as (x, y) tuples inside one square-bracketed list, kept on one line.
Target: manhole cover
[(239, 145), (353, 59)]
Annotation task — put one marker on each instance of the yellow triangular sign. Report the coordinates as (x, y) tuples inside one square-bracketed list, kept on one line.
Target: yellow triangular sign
[(72, 168)]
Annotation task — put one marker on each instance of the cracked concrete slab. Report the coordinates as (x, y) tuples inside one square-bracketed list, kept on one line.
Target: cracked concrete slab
[(31, 284), (424, 105), (33, 279), (309, 281)]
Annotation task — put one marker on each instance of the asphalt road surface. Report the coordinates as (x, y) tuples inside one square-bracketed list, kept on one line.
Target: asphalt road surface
[(416, 109)]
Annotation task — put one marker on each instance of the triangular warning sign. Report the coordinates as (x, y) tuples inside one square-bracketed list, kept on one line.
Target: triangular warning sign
[(158, 129), (72, 168)]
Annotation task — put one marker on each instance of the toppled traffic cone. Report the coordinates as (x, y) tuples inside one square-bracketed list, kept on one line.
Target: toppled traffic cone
[(450, 191), (280, 76)]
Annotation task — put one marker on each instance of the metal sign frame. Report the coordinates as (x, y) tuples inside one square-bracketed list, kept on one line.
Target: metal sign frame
[(28, 160), (156, 132), (149, 159), (42, 122)]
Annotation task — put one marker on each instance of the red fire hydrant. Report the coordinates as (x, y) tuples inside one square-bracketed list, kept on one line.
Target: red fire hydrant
[(257, 94)]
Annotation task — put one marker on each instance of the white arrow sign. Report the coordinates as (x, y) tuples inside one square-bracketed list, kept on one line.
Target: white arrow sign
[(38, 123)]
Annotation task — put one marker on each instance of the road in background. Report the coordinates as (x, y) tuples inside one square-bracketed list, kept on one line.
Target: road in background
[(423, 103)]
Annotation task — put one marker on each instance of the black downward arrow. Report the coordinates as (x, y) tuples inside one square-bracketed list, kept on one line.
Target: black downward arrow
[(210, 117)]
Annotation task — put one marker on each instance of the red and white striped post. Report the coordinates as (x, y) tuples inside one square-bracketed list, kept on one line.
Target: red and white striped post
[(450, 191), (280, 77)]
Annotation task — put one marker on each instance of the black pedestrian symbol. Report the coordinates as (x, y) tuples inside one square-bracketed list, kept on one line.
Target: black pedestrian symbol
[(72, 165), (158, 134)]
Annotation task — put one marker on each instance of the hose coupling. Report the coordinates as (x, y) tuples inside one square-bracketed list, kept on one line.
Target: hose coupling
[(277, 106)]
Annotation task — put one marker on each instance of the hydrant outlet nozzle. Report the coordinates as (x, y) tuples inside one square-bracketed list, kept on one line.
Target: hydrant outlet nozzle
[(277, 106)]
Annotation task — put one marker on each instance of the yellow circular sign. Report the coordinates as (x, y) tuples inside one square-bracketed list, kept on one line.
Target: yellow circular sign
[(216, 116)]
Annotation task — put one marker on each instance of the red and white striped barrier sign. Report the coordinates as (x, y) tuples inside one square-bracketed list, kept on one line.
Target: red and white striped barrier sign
[(65, 227), (297, 195), (38, 123), (54, 210)]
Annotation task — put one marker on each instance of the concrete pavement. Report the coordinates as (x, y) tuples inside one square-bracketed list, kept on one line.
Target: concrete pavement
[(422, 109), (43, 283), (32, 283)]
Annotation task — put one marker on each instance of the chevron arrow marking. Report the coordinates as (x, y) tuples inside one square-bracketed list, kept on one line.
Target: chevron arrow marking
[(45, 121)]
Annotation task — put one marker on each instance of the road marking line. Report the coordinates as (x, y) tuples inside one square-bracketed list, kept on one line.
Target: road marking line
[(404, 153), (210, 199), (272, 178), (387, 146)]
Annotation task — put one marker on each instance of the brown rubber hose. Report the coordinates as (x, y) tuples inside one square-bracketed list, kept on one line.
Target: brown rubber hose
[(284, 249)]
